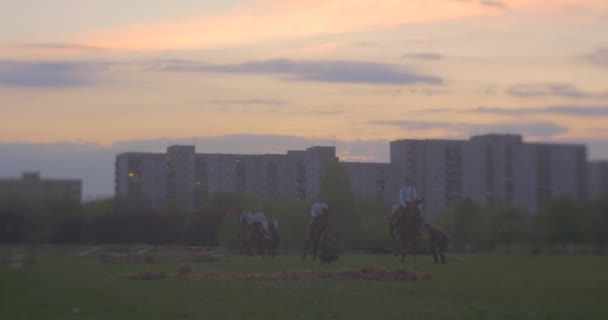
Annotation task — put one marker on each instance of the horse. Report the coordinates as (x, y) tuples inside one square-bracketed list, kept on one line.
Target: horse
[(390, 222), (247, 238), (274, 238), (408, 227), (316, 233), (267, 245)]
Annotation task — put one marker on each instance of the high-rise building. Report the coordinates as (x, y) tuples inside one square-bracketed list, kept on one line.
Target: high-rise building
[(185, 178), (489, 169), (598, 179), (370, 180)]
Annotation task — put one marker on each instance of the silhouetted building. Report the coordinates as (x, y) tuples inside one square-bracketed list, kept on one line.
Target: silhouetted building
[(490, 169), (370, 180), (185, 178), (598, 179), (32, 188)]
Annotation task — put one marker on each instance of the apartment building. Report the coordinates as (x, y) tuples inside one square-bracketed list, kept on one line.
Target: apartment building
[(490, 169), (598, 179), (183, 177)]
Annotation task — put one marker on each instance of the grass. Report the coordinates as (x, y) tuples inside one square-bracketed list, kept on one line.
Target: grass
[(476, 287)]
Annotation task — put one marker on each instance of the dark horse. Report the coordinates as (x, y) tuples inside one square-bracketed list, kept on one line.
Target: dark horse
[(317, 234), (247, 237), (268, 243), (408, 227)]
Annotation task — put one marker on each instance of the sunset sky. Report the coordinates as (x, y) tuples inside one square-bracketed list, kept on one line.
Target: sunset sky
[(101, 74)]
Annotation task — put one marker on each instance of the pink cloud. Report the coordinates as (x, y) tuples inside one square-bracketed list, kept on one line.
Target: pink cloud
[(277, 19), (268, 20)]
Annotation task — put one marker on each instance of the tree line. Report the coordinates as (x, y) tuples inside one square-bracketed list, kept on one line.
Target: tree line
[(358, 223)]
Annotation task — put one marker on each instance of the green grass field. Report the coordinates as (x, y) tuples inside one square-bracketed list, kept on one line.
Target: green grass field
[(475, 287)]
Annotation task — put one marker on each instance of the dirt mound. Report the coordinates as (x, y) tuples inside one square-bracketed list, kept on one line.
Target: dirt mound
[(148, 275), (365, 273), (164, 256)]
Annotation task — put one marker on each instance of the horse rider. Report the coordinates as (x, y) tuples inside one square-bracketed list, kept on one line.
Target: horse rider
[(259, 218), (318, 209), (407, 196), (249, 218), (275, 226)]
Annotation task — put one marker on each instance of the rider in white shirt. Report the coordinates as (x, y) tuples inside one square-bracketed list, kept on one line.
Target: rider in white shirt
[(249, 217), (260, 219), (407, 195), (317, 209)]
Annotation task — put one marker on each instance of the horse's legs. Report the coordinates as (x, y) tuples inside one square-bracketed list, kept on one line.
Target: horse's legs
[(442, 254), (393, 241), (434, 251), (320, 242), (403, 249), (306, 249), (261, 248)]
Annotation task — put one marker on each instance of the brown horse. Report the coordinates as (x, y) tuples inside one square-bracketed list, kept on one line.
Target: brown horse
[(267, 245), (247, 238), (316, 233), (391, 218), (408, 228)]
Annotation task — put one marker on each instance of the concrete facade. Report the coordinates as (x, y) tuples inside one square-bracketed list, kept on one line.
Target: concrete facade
[(598, 180), (185, 178), (489, 169), (370, 180)]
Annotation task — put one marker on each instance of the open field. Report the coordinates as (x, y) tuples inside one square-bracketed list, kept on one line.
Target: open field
[(473, 287)]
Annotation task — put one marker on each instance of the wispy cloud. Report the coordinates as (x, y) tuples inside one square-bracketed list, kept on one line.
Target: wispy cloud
[(598, 57), (534, 129), (320, 71), (58, 46), (580, 111), (562, 90), (423, 56), (253, 102), (48, 74), (369, 44), (494, 4), (270, 20)]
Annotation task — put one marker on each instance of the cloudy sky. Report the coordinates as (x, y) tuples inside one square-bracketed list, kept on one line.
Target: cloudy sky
[(80, 78)]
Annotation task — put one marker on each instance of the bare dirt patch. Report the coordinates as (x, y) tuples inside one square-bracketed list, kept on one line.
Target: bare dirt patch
[(365, 273), (159, 255)]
